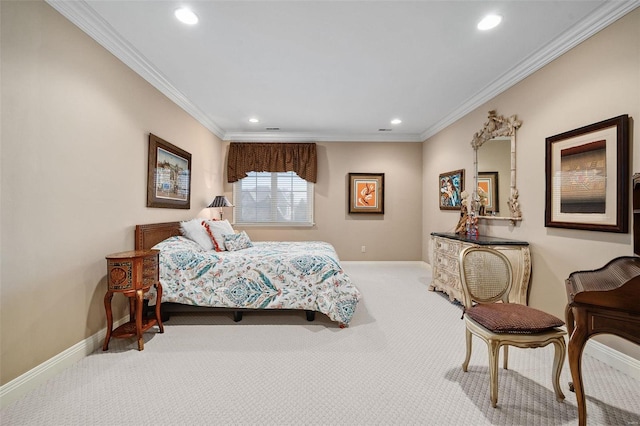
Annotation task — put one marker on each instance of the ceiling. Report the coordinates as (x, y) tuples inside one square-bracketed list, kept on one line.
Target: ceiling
[(336, 70)]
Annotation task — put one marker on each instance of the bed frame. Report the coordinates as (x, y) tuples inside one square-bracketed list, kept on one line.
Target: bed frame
[(148, 236)]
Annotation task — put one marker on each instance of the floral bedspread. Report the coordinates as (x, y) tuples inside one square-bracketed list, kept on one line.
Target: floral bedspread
[(269, 275)]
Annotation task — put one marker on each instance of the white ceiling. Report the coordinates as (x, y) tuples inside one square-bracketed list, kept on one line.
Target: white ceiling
[(336, 70)]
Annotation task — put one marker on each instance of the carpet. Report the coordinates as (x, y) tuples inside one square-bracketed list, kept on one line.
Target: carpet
[(399, 362)]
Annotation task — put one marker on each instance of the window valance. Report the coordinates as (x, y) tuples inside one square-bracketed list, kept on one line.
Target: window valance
[(272, 157)]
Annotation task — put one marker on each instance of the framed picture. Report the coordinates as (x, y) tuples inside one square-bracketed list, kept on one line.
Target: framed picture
[(488, 182), (169, 175), (587, 177), (451, 185), (366, 193)]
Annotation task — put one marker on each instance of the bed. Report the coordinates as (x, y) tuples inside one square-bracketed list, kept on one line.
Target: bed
[(303, 276)]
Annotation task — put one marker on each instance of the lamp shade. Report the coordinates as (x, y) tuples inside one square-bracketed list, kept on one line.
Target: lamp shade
[(220, 201)]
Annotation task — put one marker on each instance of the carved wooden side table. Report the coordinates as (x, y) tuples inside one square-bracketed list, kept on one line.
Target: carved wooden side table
[(132, 273)]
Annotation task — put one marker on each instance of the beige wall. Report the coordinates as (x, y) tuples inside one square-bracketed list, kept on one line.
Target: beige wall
[(396, 235), (596, 80), (75, 123)]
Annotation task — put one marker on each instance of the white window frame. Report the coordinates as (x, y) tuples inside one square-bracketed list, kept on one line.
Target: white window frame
[(237, 202)]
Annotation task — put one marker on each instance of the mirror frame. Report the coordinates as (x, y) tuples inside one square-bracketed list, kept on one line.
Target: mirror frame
[(499, 126)]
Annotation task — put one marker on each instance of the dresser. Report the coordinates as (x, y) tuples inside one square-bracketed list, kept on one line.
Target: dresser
[(446, 248)]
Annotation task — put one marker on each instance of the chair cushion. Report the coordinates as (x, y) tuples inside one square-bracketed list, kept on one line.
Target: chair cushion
[(512, 318)]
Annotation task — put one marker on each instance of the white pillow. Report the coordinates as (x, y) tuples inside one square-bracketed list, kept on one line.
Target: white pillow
[(194, 230), (217, 229)]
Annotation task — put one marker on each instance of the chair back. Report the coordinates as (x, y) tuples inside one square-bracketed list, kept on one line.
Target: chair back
[(485, 275)]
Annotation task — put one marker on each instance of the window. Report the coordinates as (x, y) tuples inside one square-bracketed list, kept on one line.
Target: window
[(280, 198)]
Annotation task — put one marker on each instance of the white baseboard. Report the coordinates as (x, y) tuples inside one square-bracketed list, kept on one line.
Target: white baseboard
[(19, 386), (420, 263), (621, 362)]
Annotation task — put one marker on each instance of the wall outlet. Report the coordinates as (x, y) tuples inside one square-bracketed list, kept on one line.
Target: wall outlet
[(363, 249)]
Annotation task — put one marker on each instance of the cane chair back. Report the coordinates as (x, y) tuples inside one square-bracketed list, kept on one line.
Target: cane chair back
[(486, 275)]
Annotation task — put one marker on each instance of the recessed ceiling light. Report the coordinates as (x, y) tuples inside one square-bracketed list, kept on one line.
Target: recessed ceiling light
[(186, 16), (254, 120), (396, 121), (489, 21)]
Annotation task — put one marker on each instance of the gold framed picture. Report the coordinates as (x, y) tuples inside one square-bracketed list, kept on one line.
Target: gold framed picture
[(169, 175), (366, 193)]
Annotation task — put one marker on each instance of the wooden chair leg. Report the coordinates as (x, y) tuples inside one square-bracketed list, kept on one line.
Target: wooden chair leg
[(494, 355), (465, 364), (558, 362)]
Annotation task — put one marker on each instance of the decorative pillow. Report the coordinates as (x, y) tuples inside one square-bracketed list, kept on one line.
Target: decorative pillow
[(216, 230), (195, 231), (237, 241), (512, 318)]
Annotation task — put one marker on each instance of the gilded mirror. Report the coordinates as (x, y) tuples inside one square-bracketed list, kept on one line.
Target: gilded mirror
[(494, 148)]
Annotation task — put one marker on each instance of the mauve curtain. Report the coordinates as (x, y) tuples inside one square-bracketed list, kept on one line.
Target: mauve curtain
[(247, 157)]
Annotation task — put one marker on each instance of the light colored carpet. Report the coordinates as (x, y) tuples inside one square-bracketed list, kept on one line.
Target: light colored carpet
[(399, 362)]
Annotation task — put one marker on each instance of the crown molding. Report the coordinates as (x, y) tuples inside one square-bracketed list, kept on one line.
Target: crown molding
[(88, 20), (320, 137), (600, 18)]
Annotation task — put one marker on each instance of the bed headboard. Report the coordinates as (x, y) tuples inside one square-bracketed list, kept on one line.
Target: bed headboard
[(151, 234)]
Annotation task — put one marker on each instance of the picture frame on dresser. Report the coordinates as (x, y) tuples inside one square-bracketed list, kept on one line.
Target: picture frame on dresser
[(587, 177), (168, 175)]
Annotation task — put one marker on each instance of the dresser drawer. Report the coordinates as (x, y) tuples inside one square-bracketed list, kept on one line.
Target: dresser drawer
[(446, 262), (447, 247), (448, 279), (150, 271)]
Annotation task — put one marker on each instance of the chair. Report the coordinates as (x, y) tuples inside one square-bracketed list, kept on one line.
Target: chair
[(486, 278)]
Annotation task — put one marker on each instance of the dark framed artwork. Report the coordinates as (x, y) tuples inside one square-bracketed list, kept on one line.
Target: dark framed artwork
[(366, 193), (587, 177), (169, 175), (451, 185), (488, 182)]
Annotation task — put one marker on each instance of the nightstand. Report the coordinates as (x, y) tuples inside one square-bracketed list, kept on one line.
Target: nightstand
[(132, 273)]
